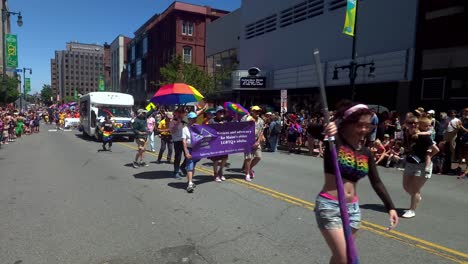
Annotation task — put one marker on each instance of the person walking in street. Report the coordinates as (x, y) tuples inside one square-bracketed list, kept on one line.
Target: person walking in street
[(176, 127), (255, 154), (464, 144), (141, 137), (355, 161), (190, 162), (274, 132), (166, 138), (107, 130), (219, 162), (150, 125), (418, 146)]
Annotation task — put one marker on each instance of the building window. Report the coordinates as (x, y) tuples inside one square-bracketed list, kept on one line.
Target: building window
[(184, 27), (145, 45), (190, 29), (188, 54)]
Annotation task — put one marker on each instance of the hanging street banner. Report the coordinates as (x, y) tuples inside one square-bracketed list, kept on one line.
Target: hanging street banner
[(222, 139), (350, 20), (101, 85), (11, 45), (27, 85)]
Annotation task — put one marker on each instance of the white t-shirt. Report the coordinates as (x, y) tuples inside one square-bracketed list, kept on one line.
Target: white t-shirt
[(176, 130), (186, 135), (452, 124)]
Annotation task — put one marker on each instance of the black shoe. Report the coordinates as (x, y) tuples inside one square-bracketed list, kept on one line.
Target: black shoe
[(158, 162), (110, 150), (104, 148), (184, 172), (136, 165)]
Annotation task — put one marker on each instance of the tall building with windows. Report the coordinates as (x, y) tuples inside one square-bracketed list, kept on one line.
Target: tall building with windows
[(118, 54), (79, 68), (180, 29)]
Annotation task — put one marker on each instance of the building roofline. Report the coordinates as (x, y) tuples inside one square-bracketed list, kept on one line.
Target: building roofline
[(176, 5)]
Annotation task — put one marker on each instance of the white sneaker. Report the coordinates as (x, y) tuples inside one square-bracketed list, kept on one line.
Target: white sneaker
[(247, 178), (218, 179), (409, 214)]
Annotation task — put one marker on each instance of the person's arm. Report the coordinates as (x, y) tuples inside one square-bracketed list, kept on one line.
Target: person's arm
[(381, 191), (184, 143)]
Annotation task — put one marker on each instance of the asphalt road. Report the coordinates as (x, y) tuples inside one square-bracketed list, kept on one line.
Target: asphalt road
[(62, 201)]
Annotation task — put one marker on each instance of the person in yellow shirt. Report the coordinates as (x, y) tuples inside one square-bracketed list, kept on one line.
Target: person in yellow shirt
[(166, 138), (202, 106), (61, 120)]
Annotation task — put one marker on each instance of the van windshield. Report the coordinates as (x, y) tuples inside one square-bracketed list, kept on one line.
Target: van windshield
[(114, 111)]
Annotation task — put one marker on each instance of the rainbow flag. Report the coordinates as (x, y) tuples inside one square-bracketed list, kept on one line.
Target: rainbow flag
[(350, 20), (106, 136)]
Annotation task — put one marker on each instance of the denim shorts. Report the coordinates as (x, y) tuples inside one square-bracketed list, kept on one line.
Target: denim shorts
[(418, 170), (191, 163), (328, 216)]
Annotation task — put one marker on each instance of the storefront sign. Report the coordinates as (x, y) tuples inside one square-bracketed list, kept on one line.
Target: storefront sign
[(253, 82)]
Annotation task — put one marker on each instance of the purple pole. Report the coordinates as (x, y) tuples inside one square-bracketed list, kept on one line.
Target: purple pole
[(351, 251)]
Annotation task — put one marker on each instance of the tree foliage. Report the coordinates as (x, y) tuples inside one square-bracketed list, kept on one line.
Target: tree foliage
[(178, 71), (46, 94), (12, 93)]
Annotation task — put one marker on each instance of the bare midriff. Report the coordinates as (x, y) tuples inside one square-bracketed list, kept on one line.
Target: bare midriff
[(329, 189)]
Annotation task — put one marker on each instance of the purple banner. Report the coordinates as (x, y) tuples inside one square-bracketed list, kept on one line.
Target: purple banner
[(222, 139)]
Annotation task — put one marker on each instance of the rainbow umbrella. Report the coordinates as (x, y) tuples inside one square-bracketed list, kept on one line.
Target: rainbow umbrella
[(176, 93), (236, 108)]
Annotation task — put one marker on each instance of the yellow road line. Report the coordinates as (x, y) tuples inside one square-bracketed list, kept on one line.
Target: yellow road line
[(377, 229)]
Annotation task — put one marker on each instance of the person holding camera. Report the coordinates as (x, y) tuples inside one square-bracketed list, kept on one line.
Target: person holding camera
[(418, 146)]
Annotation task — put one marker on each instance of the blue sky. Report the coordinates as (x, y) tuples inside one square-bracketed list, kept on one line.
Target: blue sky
[(50, 24)]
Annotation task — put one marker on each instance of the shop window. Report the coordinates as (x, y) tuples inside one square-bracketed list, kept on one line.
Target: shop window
[(433, 88)]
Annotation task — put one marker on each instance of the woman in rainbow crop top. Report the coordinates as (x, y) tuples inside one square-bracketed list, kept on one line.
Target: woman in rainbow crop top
[(353, 123)]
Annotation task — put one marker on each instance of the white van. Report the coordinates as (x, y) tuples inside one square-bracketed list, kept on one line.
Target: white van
[(95, 106)]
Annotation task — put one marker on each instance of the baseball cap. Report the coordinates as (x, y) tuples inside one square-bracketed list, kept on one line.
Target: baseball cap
[(386, 135), (219, 108), (192, 115), (141, 111), (256, 108), (269, 113), (431, 112)]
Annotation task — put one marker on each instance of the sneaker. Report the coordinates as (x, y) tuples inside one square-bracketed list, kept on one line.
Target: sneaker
[(218, 179), (252, 174), (143, 164), (136, 165), (223, 178), (177, 176), (190, 188), (247, 178), (409, 214)]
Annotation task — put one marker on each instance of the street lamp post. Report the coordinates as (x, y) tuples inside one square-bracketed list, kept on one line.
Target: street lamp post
[(353, 66), (24, 86), (5, 15)]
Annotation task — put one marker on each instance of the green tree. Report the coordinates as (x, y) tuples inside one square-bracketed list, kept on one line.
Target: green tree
[(46, 94), (68, 99), (178, 71), (11, 94)]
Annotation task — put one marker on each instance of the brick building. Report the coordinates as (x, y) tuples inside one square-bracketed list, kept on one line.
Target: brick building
[(79, 68), (180, 29)]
